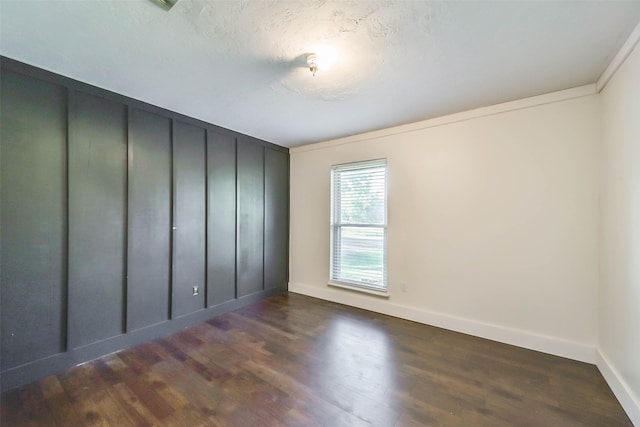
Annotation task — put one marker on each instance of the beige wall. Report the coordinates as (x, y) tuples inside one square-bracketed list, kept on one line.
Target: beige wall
[(619, 337), (493, 223)]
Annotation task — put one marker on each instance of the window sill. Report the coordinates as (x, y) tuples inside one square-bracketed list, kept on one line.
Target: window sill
[(382, 294)]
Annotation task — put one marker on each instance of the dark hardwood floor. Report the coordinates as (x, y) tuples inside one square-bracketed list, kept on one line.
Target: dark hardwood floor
[(297, 361)]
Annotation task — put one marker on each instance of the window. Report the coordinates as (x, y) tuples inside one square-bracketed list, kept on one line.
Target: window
[(359, 225)]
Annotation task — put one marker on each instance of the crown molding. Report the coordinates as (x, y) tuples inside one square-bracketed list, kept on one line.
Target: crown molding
[(619, 59), (519, 104)]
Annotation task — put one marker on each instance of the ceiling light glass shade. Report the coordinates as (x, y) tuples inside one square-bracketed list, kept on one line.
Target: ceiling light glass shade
[(312, 62), (165, 4), (321, 59)]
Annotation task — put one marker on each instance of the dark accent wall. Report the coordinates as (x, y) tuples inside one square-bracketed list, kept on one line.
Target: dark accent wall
[(122, 222), (149, 220), (33, 219), (276, 219), (189, 219), (97, 218), (250, 221), (221, 218)]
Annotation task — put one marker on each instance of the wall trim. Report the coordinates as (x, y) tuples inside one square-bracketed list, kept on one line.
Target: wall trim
[(519, 104), (630, 402), (543, 343), (618, 60)]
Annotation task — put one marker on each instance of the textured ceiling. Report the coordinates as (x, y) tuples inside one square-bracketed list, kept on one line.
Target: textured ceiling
[(240, 64)]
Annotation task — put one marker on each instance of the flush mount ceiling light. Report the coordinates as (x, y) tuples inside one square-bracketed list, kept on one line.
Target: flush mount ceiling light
[(312, 62), (165, 4), (321, 59)]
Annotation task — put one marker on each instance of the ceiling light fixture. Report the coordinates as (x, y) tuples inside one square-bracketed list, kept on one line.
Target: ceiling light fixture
[(312, 62), (165, 4)]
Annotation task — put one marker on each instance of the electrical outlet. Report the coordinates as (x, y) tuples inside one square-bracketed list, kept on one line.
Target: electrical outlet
[(195, 290), (403, 286)]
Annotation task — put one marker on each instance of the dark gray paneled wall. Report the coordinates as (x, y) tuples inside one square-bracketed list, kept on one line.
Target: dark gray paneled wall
[(250, 224), (122, 222), (149, 237), (189, 201), (276, 219), (221, 218), (97, 218), (34, 227)]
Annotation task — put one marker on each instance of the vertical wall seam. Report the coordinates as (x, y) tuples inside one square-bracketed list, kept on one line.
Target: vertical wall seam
[(288, 219), (264, 215), (206, 219), (235, 252), (172, 225), (66, 337), (125, 255)]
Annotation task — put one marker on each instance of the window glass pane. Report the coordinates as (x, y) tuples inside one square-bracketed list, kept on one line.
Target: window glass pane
[(361, 196), (359, 222), (361, 252)]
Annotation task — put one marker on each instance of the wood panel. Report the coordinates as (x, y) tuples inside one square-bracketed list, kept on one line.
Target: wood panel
[(250, 221), (149, 219), (90, 263), (34, 234), (189, 218), (221, 218), (276, 219), (97, 218)]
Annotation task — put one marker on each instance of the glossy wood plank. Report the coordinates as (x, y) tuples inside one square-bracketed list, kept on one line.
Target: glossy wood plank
[(292, 360)]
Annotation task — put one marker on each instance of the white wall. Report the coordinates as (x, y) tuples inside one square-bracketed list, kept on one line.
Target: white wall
[(493, 223), (619, 337)]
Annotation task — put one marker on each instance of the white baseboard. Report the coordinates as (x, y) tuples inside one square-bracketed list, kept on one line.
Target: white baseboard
[(525, 339), (629, 401)]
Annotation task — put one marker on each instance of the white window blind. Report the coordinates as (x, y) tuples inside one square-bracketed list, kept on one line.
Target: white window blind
[(359, 224)]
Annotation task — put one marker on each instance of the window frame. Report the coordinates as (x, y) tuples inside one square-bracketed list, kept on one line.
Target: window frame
[(336, 228)]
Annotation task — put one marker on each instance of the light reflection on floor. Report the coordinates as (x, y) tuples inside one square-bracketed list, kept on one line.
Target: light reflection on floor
[(355, 357)]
